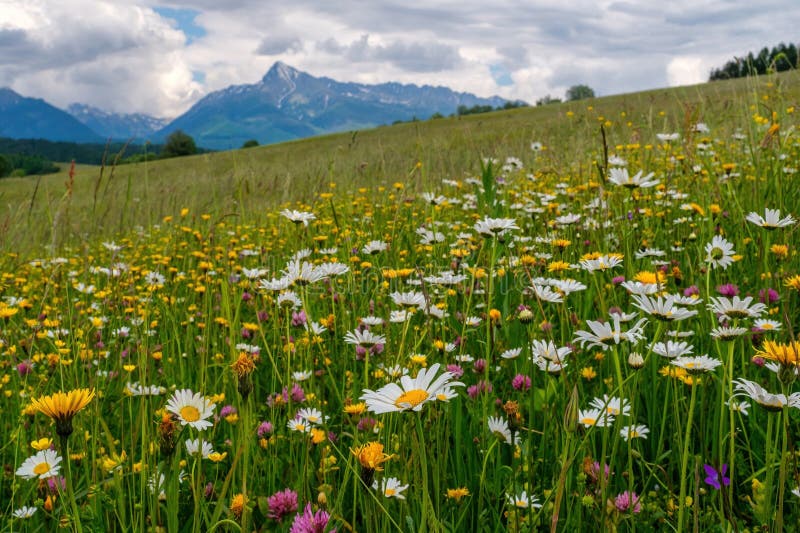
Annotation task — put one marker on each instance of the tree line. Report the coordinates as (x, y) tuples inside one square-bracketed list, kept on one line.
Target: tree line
[(780, 58), (25, 165), (25, 157)]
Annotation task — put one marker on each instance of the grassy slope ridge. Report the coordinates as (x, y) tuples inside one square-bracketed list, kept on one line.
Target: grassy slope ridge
[(102, 202)]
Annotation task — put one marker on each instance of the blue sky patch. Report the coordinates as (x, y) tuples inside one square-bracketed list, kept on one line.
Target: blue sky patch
[(501, 75), (184, 18)]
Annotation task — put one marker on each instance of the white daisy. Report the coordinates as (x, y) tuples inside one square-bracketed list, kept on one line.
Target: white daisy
[(398, 317), (612, 405), (364, 338), (372, 320), (766, 324), (493, 227), (546, 294), (302, 375), (728, 333), (697, 364), (602, 263), (374, 247), (549, 351), (729, 309), (24, 512), (672, 349), (276, 284), (637, 287), (595, 417), (719, 252), (298, 216), (300, 425), (568, 286), (137, 389), (42, 465), (634, 432), (498, 427), (511, 353), (602, 333), (523, 500), (667, 137), (330, 270), (192, 409), (771, 219), (738, 407), (408, 299), (410, 394), (390, 488), (767, 400), (312, 415), (662, 308), (198, 446), (620, 176), (473, 321)]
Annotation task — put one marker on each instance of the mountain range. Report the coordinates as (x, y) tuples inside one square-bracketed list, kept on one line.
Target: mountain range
[(285, 104), (33, 118)]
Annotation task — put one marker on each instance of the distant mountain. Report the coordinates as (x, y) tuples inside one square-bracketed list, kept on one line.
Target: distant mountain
[(33, 118), (136, 126), (289, 104)]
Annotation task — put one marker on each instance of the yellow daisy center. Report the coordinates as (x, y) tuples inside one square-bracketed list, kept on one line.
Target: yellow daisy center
[(389, 492), (41, 468), (589, 421), (190, 413), (411, 398)]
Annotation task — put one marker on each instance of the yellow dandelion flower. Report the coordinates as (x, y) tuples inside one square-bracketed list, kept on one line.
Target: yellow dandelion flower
[(244, 365), (355, 409), (371, 458), (238, 503), (781, 251), (785, 354), (419, 359), (7, 312), (793, 282), (651, 278), (558, 266), (318, 435), (62, 406), (457, 494)]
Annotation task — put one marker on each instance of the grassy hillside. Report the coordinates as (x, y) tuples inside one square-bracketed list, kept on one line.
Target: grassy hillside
[(102, 202), (590, 336)]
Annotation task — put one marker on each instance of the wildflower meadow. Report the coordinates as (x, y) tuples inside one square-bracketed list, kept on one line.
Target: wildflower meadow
[(593, 335)]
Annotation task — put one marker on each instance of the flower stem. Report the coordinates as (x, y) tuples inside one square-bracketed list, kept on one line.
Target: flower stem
[(70, 493), (782, 473), (685, 457)]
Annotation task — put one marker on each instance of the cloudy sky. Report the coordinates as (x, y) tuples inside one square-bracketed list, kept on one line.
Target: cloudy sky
[(159, 57)]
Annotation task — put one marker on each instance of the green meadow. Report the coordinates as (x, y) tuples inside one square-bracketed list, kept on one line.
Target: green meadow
[(574, 317)]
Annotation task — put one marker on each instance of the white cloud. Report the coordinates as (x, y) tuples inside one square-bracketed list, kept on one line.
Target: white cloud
[(686, 70), (123, 56)]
